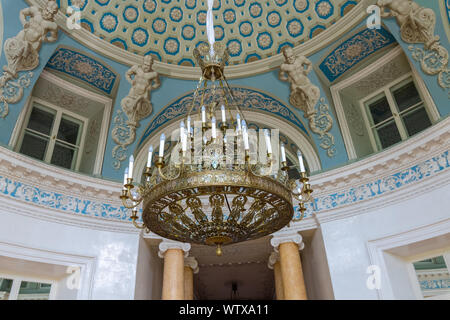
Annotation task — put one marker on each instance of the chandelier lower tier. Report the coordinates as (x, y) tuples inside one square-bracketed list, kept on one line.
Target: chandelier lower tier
[(217, 207)]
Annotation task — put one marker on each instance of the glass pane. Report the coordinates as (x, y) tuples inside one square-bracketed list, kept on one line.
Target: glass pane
[(63, 156), (406, 96), (34, 146), (416, 121), (5, 288), (433, 277), (41, 121), (68, 131), (34, 291), (388, 134), (380, 110)]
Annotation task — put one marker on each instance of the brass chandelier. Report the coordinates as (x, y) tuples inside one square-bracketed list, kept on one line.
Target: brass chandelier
[(215, 188)]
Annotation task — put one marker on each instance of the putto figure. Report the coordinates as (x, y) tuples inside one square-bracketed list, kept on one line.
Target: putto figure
[(143, 79), (416, 23), (22, 51), (304, 95)]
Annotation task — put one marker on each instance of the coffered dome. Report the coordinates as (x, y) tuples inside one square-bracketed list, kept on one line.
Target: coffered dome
[(170, 29)]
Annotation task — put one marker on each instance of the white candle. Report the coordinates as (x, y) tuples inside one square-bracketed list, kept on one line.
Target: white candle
[(224, 118), (125, 177), (183, 137), (188, 125), (150, 155), (300, 161), (245, 135), (238, 120), (283, 153), (161, 145), (268, 143), (203, 114), (213, 127), (130, 167)]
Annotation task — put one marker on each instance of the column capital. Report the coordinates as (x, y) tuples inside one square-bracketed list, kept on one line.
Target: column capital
[(287, 237), (192, 263), (167, 244), (273, 258)]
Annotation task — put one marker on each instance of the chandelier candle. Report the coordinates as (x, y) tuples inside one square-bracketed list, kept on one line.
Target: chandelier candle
[(300, 161), (130, 167), (150, 156), (268, 142), (224, 117), (161, 146)]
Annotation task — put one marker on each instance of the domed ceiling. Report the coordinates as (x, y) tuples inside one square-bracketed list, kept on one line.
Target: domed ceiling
[(171, 29)]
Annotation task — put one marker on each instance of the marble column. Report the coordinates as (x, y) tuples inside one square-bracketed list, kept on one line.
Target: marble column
[(274, 264), (173, 253), (190, 268), (288, 246)]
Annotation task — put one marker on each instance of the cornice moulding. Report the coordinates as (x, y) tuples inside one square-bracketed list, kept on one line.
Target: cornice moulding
[(418, 148), (23, 170), (331, 34), (12, 206)]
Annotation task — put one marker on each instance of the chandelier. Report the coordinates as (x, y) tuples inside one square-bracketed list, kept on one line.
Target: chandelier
[(221, 183)]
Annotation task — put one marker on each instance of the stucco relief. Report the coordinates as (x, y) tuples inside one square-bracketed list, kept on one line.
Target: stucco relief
[(22, 51), (417, 25), (305, 95), (135, 106)]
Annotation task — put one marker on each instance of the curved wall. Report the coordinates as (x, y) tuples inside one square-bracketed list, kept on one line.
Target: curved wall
[(64, 213)]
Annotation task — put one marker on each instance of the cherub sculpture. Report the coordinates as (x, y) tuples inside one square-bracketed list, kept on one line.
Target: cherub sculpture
[(22, 51), (304, 95), (416, 23), (143, 79)]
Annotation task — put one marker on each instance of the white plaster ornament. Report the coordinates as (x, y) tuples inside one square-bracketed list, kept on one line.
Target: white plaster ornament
[(22, 51), (417, 25), (136, 106), (305, 95)]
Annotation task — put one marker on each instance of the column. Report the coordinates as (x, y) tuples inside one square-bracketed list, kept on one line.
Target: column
[(173, 253), (274, 264), (190, 268), (288, 246)]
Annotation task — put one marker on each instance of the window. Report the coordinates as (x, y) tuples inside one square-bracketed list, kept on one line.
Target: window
[(433, 277), (53, 135), (395, 113), (13, 288)]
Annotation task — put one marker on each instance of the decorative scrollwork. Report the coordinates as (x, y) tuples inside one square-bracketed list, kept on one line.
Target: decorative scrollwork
[(22, 51), (12, 92), (304, 96), (321, 123), (417, 25), (136, 106)]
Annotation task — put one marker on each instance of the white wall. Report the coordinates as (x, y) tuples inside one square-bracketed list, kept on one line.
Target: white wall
[(114, 254), (315, 268), (149, 273), (346, 241)]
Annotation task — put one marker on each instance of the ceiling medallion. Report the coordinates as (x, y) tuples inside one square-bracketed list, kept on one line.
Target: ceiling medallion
[(222, 183)]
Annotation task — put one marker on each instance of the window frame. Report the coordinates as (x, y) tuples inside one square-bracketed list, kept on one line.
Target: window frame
[(351, 80), (17, 281), (59, 112), (386, 91), (445, 253)]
